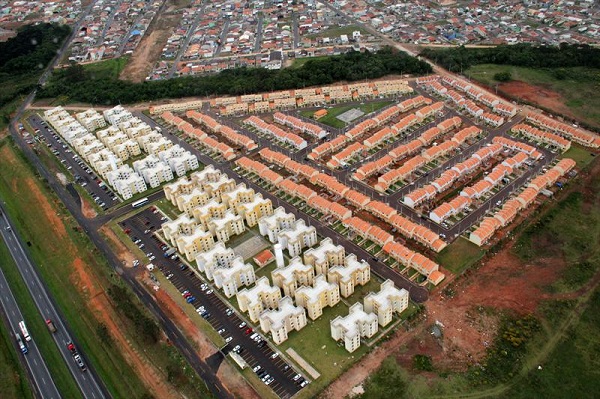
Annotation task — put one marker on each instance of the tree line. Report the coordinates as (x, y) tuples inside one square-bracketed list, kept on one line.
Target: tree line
[(524, 55), (77, 84)]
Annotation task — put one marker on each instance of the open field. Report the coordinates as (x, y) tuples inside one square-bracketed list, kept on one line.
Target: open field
[(37, 327), (299, 62), (460, 255), (332, 113), (107, 69), (579, 154), (74, 274), (13, 379), (334, 33), (573, 92)]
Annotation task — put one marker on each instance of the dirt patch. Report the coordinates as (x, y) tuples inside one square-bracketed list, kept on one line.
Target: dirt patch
[(56, 224), (150, 48), (230, 378), (538, 95), (123, 253), (87, 209), (103, 311)]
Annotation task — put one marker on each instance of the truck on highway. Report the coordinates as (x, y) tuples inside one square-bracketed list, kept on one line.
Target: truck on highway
[(51, 326), (24, 331), (22, 345)]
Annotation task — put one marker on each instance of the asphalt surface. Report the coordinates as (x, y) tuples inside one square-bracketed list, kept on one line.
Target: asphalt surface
[(187, 279), (87, 381), (33, 361), (69, 158)]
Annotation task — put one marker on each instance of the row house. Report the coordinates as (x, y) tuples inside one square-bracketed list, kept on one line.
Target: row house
[(410, 148), (465, 134), (576, 134), (423, 80), (234, 109), (258, 298), (489, 100), (386, 115), (485, 231), (356, 325), (370, 168), (448, 209), (297, 237), (473, 109), (401, 173), (492, 119), (386, 302), (314, 298), (420, 195), (360, 129), (346, 154), (543, 137), (356, 198), (414, 102), (445, 180), (429, 110), (379, 137), (292, 276), (274, 157), (298, 124), (279, 323), (505, 110), (437, 88), (175, 107), (406, 123), (449, 124), (438, 151), (220, 148), (350, 274), (270, 226), (238, 138), (455, 97), (409, 258), (328, 147), (515, 145), (330, 183)]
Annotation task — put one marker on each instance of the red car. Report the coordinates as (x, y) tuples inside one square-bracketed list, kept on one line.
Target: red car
[(248, 331), (71, 347)]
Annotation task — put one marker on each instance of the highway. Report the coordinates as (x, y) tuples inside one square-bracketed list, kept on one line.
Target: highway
[(88, 380), (33, 360)]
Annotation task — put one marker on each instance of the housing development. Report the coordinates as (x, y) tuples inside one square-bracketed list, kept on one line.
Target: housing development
[(376, 232)]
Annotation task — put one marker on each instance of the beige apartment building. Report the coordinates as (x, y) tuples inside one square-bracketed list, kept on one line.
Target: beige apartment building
[(198, 241), (227, 226), (386, 302), (292, 276), (282, 321), (187, 201), (353, 327), (176, 227), (258, 298), (315, 298), (213, 209), (324, 256), (254, 210), (239, 195), (349, 276)]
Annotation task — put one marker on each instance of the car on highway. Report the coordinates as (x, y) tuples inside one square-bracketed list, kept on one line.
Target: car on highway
[(79, 361)]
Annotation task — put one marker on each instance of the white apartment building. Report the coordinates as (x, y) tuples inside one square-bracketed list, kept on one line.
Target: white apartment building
[(386, 302), (258, 298), (351, 328), (271, 225), (91, 120), (347, 277), (153, 170), (219, 257), (292, 276), (179, 160), (297, 237), (280, 322), (227, 226), (117, 115), (236, 275), (324, 256), (315, 298), (125, 181)]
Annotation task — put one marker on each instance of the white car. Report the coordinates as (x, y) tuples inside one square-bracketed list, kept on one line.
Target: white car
[(228, 339)]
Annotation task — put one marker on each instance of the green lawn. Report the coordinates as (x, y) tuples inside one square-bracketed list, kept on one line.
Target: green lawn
[(583, 156), (579, 86), (37, 328), (299, 62), (459, 255), (332, 113), (107, 69), (13, 382)]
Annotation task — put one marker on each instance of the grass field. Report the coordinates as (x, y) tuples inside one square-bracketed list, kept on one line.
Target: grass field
[(579, 154), (13, 383), (331, 117), (37, 327), (107, 69), (579, 86), (459, 255), (56, 254), (299, 62)]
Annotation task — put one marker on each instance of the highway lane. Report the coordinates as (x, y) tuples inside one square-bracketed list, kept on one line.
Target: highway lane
[(87, 381), (33, 360)]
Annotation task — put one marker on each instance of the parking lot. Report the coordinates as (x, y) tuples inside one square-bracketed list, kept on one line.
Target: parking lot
[(82, 173), (253, 347)]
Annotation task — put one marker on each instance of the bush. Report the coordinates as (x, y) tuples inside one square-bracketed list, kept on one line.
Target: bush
[(387, 382), (422, 362), (503, 76)]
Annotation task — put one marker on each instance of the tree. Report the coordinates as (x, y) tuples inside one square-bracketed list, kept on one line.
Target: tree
[(387, 382), (503, 76)]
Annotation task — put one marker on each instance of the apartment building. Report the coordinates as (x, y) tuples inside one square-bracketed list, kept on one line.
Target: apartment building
[(175, 107), (227, 226), (315, 298), (179, 160), (270, 226), (351, 328), (174, 190), (236, 275), (298, 237), (155, 147), (282, 321), (198, 241), (174, 228), (218, 257), (187, 202), (209, 211), (91, 120), (117, 115), (217, 187), (292, 276), (255, 209), (258, 298), (348, 276), (386, 302), (239, 195), (153, 170), (126, 181), (324, 256)]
